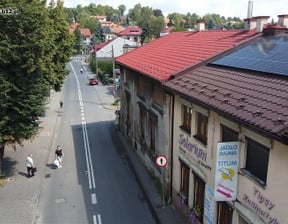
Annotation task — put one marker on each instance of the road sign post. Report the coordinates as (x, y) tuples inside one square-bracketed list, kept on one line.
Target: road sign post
[(161, 161)]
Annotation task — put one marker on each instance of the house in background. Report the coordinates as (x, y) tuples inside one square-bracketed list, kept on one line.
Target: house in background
[(146, 116), (132, 33), (101, 19), (166, 31), (86, 36), (111, 30), (230, 132), (104, 52)]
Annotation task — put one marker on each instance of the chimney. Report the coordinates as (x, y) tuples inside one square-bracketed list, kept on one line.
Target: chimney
[(260, 22), (250, 23), (200, 25), (250, 9), (283, 20)]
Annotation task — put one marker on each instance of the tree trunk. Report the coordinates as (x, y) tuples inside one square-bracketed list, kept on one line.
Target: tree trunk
[(2, 146)]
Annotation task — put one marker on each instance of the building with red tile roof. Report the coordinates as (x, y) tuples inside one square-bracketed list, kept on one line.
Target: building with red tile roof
[(131, 33), (85, 32), (168, 55), (238, 99), (178, 102)]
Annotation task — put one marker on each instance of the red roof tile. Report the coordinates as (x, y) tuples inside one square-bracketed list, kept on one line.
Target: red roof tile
[(131, 31), (177, 51), (258, 99), (85, 32)]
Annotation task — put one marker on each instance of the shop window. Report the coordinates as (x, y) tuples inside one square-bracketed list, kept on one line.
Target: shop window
[(257, 159), (224, 213), (229, 135), (202, 128), (186, 118), (184, 187), (199, 192)]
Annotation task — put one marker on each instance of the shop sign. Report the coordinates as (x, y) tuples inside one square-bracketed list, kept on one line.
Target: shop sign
[(226, 172), (262, 205), (193, 152)]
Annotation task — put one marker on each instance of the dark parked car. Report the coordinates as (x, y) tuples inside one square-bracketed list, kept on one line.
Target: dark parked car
[(93, 81)]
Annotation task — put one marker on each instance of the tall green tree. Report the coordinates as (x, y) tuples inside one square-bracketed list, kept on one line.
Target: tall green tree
[(122, 9), (33, 53)]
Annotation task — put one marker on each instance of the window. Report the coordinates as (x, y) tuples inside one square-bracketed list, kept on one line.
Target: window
[(202, 124), (186, 118), (142, 121), (224, 213), (157, 95), (228, 135), (257, 161), (184, 187), (141, 86), (153, 133), (199, 192)]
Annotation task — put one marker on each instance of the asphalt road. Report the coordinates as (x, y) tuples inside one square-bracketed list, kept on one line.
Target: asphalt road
[(96, 184)]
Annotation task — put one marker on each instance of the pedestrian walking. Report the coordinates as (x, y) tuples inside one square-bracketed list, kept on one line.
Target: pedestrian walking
[(61, 105), (59, 156), (30, 165)]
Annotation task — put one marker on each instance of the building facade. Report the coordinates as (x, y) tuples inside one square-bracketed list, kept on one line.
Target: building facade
[(171, 105)]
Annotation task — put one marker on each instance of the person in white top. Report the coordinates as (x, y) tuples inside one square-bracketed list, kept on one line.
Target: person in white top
[(29, 165)]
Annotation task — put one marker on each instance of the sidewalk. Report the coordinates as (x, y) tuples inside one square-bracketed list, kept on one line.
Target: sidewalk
[(162, 215), (19, 197)]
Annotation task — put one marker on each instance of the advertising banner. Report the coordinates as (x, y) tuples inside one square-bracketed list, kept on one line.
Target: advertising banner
[(209, 204), (226, 176)]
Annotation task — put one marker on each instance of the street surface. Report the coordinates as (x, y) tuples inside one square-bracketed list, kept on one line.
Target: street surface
[(96, 184)]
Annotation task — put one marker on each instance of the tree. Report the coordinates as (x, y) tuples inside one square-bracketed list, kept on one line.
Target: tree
[(122, 9), (157, 12), (177, 21), (63, 47), (33, 54), (77, 40), (99, 36), (156, 25)]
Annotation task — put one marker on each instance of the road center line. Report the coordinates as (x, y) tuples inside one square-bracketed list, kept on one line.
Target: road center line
[(93, 198)]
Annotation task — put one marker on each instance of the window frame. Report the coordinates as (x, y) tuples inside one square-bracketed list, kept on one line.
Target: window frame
[(184, 180), (186, 118), (256, 172), (199, 196), (223, 209), (153, 133), (228, 134), (202, 119), (143, 120)]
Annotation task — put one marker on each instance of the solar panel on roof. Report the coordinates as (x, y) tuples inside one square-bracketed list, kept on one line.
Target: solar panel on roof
[(269, 54)]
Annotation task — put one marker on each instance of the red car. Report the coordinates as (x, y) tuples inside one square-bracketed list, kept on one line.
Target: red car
[(93, 81)]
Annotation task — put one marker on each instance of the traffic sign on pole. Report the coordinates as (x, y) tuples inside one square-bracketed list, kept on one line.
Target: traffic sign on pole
[(161, 161)]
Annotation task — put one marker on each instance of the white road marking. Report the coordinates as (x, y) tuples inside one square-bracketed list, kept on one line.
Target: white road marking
[(93, 198), (99, 219)]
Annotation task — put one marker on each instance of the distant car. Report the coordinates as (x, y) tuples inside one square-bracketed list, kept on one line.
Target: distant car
[(93, 81)]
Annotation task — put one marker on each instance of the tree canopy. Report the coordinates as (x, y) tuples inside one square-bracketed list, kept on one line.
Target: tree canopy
[(35, 46)]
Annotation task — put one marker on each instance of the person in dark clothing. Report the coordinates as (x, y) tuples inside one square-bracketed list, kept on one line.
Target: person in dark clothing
[(59, 155), (61, 105)]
